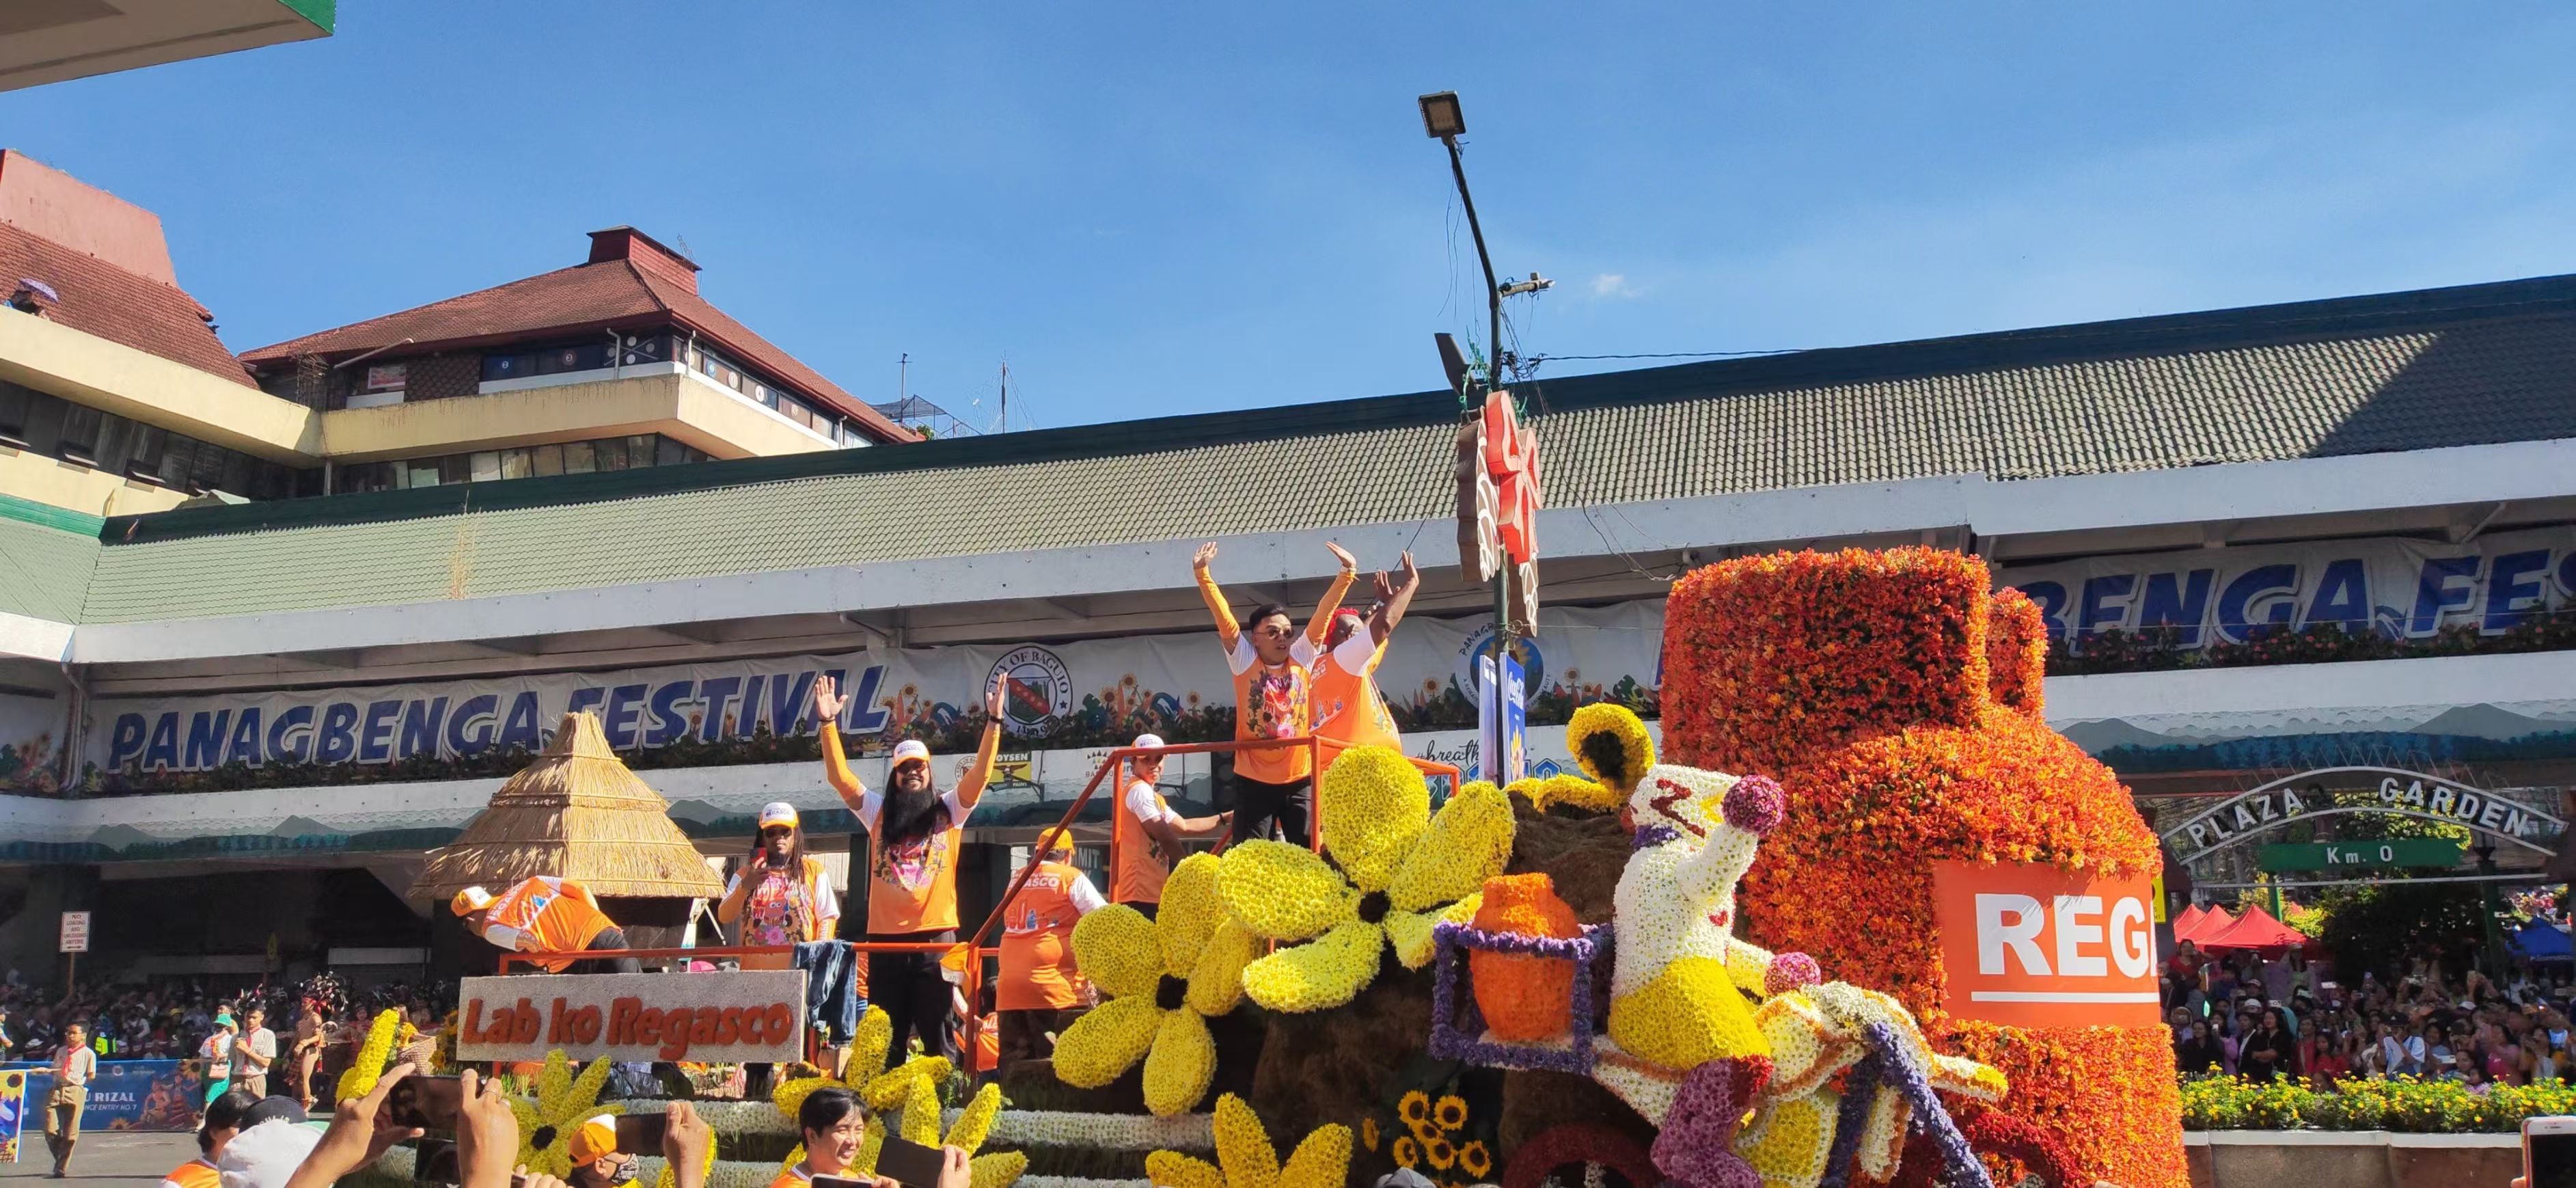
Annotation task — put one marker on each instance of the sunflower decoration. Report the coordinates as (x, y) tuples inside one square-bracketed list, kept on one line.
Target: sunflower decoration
[(562, 1103), (1395, 872), (1436, 1143), (1164, 979), (1612, 746), (881, 1091), (1245, 1157), (360, 1078)]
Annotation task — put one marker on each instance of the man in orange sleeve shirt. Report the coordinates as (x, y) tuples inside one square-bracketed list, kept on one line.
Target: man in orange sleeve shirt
[(915, 835), (1349, 711), (1273, 665), (545, 915)]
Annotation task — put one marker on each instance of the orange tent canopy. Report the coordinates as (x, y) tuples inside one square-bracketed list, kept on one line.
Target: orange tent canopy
[(2256, 929)]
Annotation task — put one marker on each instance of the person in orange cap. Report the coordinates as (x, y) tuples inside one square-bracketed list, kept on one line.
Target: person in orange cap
[(545, 915), (596, 1161), (1038, 968)]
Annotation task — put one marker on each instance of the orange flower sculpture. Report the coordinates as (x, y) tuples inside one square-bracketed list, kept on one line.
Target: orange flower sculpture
[(1897, 702), (1525, 997)]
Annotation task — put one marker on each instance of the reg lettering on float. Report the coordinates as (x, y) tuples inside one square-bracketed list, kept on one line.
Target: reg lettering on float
[(2030, 945), (727, 1017)]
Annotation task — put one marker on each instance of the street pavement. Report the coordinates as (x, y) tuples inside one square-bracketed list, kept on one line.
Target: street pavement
[(105, 1159)]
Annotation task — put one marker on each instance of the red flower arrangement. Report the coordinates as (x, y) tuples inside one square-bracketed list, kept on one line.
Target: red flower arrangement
[(1897, 702)]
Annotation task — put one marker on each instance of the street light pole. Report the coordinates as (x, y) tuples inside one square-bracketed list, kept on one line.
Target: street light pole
[(1493, 288)]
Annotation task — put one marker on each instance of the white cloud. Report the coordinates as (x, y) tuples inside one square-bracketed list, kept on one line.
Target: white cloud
[(1610, 285)]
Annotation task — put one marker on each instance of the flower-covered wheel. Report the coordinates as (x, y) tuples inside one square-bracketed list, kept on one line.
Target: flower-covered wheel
[(1581, 1155), (2007, 1145)]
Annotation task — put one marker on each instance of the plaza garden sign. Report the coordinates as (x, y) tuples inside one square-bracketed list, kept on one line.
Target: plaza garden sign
[(2305, 797)]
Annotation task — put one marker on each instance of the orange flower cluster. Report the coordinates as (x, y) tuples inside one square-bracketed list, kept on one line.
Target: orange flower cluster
[(2016, 651), (1897, 703), (1769, 659)]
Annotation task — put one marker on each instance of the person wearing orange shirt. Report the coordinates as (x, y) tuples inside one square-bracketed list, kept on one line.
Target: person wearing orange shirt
[(223, 1120), (1149, 833), (915, 837), (1349, 711), (1038, 968), (1272, 663), (545, 915)]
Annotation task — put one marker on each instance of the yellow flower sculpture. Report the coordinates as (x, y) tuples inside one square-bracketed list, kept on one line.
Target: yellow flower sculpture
[(563, 1101), (858, 1072), (1573, 791), (1165, 978), (1246, 1159), (360, 1079), (1401, 871), (1612, 746)]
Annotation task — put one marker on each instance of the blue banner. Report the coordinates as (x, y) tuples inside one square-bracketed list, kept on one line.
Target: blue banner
[(158, 1095)]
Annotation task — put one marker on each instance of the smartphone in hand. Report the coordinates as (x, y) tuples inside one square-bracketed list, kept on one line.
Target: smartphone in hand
[(430, 1103), (910, 1164), (2549, 1152), (641, 1134)]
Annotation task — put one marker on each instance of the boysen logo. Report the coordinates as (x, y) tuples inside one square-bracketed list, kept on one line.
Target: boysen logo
[(2029, 945), (1036, 689)]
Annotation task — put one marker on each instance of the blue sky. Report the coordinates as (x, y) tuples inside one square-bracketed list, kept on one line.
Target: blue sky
[(1156, 209)]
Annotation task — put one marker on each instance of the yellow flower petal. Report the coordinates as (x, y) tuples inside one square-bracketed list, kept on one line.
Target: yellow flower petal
[(1216, 982), (1181, 1065), (1313, 977), (867, 1047), (1243, 1146), (1322, 1161), (1118, 951), (1190, 912), (1171, 1169), (1410, 932), (554, 1079), (1467, 844), (1279, 891), (582, 1100), (1106, 1042), (871, 1142), (790, 1096), (975, 1122), (886, 1090), (1374, 806), (921, 1113), (998, 1170)]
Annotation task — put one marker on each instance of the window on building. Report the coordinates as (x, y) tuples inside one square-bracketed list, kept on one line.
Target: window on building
[(612, 453), (580, 457), (15, 404), (545, 461), (80, 434)]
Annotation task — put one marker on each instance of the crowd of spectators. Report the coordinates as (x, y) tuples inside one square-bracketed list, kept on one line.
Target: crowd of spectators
[(171, 1018), (2278, 1017)]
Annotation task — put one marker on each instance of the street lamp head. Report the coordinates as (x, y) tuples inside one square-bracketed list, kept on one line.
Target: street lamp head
[(1441, 117)]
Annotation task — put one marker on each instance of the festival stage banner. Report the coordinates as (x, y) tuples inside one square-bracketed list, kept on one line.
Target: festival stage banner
[(1580, 655), (730, 1017), (13, 1112), (30, 729), (2403, 589), (146, 1095)]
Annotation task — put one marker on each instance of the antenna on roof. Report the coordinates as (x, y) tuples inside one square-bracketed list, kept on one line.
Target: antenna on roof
[(692, 253), (1005, 420)]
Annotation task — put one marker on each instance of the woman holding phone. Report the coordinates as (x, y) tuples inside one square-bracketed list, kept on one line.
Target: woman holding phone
[(833, 1127), (781, 896)]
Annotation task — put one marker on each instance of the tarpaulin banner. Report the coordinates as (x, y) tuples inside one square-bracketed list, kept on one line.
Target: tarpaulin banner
[(126, 1095), (2402, 589), (30, 729), (1580, 653)]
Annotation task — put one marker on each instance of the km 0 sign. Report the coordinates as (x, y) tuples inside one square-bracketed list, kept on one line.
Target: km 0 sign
[(2305, 796), (2391, 854)]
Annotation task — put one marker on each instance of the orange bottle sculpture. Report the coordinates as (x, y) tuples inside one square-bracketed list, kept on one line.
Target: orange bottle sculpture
[(1525, 998), (1897, 701)]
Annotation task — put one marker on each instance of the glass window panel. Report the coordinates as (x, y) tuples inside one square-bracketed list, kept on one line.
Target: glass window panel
[(612, 453), (546, 460), (485, 466), (14, 402), (579, 458), (514, 464), (423, 472), (452, 469), (80, 432), (668, 452), (639, 450)]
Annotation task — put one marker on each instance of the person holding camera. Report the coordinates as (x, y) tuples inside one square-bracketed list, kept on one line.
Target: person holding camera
[(781, 896)]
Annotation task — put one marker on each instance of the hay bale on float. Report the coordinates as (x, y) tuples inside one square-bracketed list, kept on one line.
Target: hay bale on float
[(578, 813)]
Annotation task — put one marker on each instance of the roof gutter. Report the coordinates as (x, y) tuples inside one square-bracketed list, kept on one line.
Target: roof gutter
[(371, 354)]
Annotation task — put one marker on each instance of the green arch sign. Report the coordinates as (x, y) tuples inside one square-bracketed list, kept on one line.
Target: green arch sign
[(2258, 811)]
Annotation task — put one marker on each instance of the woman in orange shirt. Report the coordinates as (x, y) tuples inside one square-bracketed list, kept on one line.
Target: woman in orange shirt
[(1273, 684), (1349, 711), (915, 838)]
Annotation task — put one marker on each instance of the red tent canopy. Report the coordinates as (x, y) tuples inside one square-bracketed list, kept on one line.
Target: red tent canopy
[(2189, 919), (2256, 929), (2210, 923)]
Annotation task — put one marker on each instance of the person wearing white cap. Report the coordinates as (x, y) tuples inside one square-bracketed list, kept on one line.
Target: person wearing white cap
[(1273, 664), (545, 914), (915, 838), (781, 894), (1149, 833)]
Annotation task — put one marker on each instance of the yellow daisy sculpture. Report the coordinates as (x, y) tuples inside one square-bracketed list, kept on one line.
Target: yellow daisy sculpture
[(859, 1073), (362, 1073), (1164, 978), (563, 1101), (1395, 872), (1246, 1159)]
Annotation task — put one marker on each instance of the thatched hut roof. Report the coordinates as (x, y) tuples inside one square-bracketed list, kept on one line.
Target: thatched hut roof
[(575, 813)]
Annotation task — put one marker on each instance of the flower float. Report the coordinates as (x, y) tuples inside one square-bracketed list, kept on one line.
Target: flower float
[(1611, 744), (881, 1091), (1897, 701), (1245, 1157), (360, 1078), (1573, 791), (1164, 978), (563, 1100), (1679, 975), (1395, 872)]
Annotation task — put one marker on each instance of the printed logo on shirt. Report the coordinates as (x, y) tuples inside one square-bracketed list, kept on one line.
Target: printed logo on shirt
[(1037, 689)]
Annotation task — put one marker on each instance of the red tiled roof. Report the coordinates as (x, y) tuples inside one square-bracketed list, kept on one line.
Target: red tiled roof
[(611, 293), (96, 297)]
